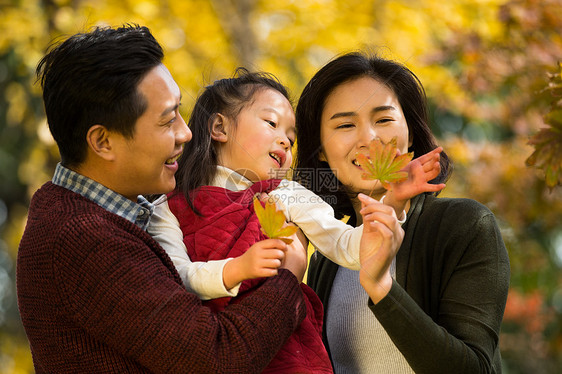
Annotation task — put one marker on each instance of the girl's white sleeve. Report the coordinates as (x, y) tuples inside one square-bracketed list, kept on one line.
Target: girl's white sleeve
[(202, 278), (331, 237)]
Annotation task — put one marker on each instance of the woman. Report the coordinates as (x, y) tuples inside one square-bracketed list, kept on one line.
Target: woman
[(437, 306)]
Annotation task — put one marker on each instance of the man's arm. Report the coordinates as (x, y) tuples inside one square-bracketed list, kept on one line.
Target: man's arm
[(118, 289)]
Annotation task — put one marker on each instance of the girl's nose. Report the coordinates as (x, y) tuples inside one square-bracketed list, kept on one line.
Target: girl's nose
[(284, 141)]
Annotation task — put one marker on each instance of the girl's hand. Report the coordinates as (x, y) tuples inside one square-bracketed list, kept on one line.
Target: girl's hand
[(261, 260), (381, 239), (420, 171)]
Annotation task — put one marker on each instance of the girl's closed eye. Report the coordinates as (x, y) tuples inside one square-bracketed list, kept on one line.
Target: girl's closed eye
[(345, 126), (272, 123)]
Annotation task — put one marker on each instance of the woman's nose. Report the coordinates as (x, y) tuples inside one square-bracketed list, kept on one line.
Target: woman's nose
[(365, 135)]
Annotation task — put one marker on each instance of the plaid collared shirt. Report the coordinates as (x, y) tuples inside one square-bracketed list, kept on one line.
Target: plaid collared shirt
[(138, 213)]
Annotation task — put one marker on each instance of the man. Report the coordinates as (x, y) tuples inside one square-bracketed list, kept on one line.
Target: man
[(96, 293)]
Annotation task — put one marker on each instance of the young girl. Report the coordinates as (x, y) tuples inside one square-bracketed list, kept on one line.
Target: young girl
[(243, 130)]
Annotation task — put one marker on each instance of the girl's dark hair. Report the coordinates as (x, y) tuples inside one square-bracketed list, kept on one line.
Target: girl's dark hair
[(227, 97), (317, 175), (92, 78)]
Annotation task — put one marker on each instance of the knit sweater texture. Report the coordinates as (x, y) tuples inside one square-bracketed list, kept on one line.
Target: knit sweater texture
[(445, 307), (97, 294)]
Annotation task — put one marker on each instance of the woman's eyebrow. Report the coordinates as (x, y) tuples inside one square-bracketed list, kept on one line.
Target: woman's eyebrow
[(343, 114), (381, 108)]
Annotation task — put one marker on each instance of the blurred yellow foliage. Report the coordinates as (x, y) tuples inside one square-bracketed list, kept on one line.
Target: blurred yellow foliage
[(483, 64)]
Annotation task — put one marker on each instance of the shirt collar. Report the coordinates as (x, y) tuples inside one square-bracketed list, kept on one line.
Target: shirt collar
[(231, 180), (138, 213)]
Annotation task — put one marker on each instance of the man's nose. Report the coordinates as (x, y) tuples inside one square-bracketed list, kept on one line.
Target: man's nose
[(183, 133)]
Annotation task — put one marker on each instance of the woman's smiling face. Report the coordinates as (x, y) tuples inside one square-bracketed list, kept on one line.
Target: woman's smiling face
[(355, 113)]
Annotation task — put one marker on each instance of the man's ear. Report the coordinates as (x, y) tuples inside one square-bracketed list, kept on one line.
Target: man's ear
[(99, 142), (218, 128)]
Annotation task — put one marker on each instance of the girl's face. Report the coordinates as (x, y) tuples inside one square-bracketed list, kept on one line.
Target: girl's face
[(258, 144), (355, 113)]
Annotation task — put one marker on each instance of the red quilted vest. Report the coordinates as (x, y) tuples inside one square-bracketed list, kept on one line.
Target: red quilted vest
[(227, 228)]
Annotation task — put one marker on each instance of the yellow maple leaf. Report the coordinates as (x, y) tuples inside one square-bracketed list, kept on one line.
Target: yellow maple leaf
[(383, 164), (272, 221)]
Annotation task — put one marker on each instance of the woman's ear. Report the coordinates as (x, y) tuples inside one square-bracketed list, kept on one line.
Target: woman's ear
[(99, 143), (218, 128)]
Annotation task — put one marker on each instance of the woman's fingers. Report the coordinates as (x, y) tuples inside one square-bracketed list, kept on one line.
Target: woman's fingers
[(368, 200), (435, 187), (430, 155), (381, 239), (382, 218), (370, 205)]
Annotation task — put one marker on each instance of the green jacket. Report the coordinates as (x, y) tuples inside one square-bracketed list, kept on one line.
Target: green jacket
[(445, 308)]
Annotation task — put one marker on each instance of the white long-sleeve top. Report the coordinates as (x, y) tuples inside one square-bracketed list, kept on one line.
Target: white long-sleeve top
[(331, 237)]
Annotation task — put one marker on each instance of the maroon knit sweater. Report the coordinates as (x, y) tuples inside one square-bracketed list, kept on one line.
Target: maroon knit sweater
[(98, 294)]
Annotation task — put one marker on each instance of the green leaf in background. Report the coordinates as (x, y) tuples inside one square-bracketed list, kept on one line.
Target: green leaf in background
[(548, 141)]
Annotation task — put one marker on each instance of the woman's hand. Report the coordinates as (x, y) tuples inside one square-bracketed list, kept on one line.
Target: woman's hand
[(420, 171), (381, 239)]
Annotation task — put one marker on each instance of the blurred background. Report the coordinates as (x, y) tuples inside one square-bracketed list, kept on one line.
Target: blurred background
[(491, 71)]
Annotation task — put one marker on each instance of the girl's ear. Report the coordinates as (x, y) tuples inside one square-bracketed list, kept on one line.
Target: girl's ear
[(321, 156), (99, 142), (218, 128)]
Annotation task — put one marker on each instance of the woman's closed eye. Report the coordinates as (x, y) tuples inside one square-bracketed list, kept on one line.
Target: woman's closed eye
[(345, 126), (384, 121)]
